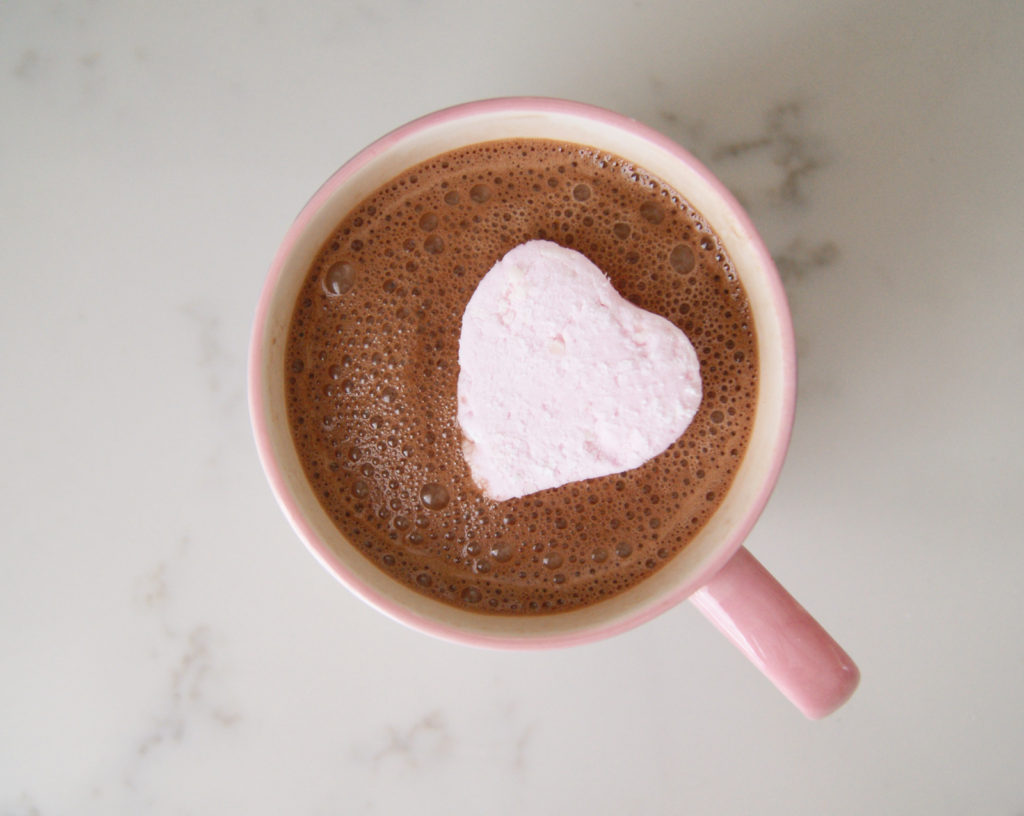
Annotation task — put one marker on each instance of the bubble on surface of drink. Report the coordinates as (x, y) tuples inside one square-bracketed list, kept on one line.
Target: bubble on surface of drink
[(434, 496), (552, 560), (502, 551), (652, 212), (339, 278), (480, 193), (681, 258)]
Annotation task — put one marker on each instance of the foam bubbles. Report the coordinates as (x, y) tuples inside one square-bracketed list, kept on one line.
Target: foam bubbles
[(371, 386)]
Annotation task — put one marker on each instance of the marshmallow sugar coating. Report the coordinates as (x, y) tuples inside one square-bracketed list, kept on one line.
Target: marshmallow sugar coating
[(562, 379)]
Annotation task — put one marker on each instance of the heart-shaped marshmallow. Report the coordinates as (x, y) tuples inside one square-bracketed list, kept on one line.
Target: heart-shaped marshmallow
[(562, 379)]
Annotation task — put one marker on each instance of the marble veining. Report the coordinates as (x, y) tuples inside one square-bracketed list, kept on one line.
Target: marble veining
[(499, 730), (785, 140), (797, 259), (191, 696), (220, 365), (23, 805), (27, 66), (771, 170), (426, 741), (187, 680)]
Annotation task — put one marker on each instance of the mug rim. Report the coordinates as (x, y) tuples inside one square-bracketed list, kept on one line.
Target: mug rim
[(289, 505)]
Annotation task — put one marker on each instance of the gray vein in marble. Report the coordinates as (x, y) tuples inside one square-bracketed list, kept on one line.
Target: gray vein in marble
[(153, 587), (784, 141), (514, 748), (35, 67), (24, 806), (189, 697), (206, 320), (186, 689), (428, 740), (220, 366), (770, 169), (798, 259), (522, 745), (28, 66), (787, 143), (188, 694)]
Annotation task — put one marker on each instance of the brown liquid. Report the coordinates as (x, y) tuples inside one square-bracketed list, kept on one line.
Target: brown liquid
[(372, 365)]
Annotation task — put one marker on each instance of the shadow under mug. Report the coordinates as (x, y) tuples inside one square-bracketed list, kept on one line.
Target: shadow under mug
[(722, 579)]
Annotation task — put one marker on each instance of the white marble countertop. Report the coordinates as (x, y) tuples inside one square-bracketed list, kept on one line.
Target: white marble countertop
[(168, 645)]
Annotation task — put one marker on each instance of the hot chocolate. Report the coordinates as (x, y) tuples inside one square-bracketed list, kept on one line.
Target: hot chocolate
[(372, 365)]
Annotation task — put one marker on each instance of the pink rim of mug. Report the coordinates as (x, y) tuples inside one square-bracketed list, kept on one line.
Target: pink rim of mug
[(334, 564)]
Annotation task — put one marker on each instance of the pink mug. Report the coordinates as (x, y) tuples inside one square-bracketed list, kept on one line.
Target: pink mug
[(723, 579)]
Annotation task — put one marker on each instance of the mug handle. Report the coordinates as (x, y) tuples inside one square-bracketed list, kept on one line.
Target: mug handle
[(751, 608)]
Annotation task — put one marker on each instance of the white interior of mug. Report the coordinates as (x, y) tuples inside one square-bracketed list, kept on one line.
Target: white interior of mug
[(556, 120)]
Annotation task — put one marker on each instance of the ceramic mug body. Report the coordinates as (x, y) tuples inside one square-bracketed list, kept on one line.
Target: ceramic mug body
[(557, 120)]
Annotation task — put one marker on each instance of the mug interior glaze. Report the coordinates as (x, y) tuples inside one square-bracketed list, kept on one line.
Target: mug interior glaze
[(555, 120)]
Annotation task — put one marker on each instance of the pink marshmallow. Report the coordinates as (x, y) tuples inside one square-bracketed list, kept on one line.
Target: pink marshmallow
[(562, 379)]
